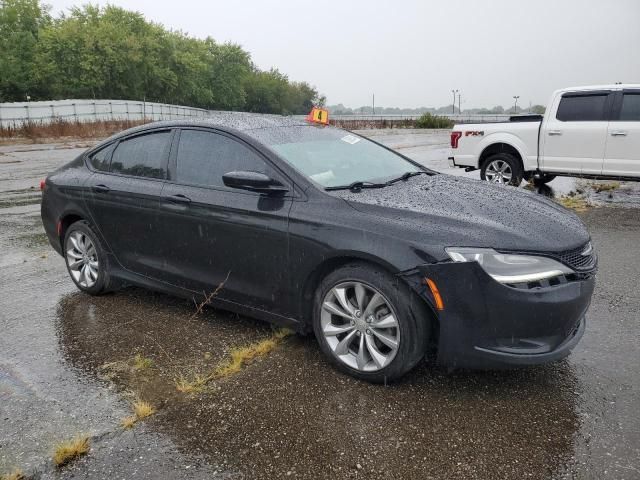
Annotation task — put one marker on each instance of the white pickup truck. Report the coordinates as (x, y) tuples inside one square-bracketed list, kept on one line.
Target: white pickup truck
[(591, 132)]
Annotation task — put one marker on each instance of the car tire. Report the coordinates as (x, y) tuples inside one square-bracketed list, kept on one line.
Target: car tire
[(502, 168), (86, 260), (394, 301)]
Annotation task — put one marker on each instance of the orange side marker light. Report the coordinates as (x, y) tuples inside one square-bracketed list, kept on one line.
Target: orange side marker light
[(435, 292)]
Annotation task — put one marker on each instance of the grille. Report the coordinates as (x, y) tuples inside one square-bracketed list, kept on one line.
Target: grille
[(576, 260)]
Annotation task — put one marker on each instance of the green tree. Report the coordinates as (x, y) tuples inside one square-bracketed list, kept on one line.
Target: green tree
[(539, 109), (109, 52), (20, 24)]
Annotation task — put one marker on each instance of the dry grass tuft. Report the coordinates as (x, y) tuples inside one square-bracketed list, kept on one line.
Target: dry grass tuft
[(36, 131), (17, 474), (70, 450), (239, 357), (128, 422), (575, 203), (141, 410), (605, 187), (208, 297), (140, 362)]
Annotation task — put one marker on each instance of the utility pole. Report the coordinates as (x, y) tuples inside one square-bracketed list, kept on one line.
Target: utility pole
[(373, 102), (453, 105), (459, 102), (515, 103)]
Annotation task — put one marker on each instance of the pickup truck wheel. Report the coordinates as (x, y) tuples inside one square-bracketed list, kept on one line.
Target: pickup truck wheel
[(502, 168)]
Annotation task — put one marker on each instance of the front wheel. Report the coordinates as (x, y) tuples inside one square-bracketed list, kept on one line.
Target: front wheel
[(502, 168), (86, 261), (369, 323)]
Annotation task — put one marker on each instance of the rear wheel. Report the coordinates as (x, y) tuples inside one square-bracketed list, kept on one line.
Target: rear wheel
[(502, 168), (86, 261), (369, 323)]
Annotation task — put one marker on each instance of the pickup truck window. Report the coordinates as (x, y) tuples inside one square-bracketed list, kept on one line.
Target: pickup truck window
[(581, 108), (630, 111)]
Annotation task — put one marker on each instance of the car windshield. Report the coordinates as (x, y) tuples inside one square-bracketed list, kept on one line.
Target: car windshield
[(333, 157)]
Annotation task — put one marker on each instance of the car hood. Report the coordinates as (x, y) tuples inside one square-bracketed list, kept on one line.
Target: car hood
[(453, 211)]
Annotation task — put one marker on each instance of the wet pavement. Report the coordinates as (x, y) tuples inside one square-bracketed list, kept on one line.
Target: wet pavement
[(68, 366)]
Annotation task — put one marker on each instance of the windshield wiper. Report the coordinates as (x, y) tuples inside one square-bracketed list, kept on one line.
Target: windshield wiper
[(405, 176), (357, 186)]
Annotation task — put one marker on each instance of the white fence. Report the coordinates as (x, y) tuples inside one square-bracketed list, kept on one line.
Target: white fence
[(15, 114), (457, 118)]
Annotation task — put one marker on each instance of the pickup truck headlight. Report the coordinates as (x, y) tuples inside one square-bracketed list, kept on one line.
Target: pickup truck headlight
[(510, 267)]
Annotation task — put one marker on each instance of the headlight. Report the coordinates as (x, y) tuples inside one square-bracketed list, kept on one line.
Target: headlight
[(508, 267)]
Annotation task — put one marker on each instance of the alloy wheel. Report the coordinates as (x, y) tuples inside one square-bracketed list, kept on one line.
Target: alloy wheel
[(360, 326), (498, 171), (82, 259)]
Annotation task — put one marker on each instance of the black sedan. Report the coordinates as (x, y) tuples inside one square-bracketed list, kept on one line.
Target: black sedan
[(322, 230)]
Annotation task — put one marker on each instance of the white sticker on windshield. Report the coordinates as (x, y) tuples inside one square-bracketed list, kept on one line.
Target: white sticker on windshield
[(350, 139)]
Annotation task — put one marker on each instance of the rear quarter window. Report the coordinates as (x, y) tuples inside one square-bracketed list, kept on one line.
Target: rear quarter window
[(582, 108), (142, 156), (101, 159)]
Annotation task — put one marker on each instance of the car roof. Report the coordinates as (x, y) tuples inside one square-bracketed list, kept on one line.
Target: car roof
[(240, 121)]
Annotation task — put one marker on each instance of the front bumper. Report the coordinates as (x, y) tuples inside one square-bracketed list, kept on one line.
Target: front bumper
[(485, 324)]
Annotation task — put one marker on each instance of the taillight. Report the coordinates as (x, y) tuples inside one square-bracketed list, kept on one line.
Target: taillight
[(455, 136), (42, 184)]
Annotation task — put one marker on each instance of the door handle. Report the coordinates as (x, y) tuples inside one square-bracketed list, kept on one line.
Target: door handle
[(100, 188), (619, 133), (555, 132), (179, 198)]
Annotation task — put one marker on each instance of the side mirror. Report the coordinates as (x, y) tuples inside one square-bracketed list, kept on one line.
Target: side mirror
[(253, 181)]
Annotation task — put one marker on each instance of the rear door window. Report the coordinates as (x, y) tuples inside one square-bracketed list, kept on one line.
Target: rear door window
[(101, 159), (582, 108), (142, 156), (204, 157), (630, 111)]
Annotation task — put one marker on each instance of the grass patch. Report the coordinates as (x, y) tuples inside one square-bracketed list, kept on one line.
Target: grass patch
[(140, 362), (605, 187), (433, 121), (238, 358), (16, 474), (36, 131), (141, 410), (128, 422), (578, 204), (70, 450)]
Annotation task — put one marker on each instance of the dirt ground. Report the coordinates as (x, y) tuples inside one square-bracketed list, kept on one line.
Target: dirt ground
[(71, 364)]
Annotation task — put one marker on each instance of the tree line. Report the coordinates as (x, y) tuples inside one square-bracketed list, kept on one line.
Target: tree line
[(113, 53)]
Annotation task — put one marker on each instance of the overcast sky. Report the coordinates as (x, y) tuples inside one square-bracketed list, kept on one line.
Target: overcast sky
[(411, 53)]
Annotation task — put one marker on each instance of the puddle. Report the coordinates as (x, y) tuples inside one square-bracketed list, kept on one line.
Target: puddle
[(291, 412)]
